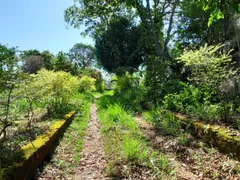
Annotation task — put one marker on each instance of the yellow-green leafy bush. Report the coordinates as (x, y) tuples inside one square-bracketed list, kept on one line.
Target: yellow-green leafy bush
[(54, 88), (86, 84)]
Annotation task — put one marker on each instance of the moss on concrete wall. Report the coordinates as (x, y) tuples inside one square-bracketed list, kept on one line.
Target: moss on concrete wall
[(35, 152), (216, 136)]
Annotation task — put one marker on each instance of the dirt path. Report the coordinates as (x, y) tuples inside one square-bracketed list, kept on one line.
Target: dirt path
[(193, 160), (93, 157), (151, 135)]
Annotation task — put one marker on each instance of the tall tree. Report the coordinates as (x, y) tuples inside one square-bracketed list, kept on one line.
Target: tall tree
[(47, 59), (32, 64), (193, 26), (219, 9), (46, 56), (8, 65), (118, 48), (62, 63), (82, 55), (9, 77), (95, 15)]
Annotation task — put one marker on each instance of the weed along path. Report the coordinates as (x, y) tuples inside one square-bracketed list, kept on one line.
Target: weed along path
[(149, 131), (93, 157), (192, 158)]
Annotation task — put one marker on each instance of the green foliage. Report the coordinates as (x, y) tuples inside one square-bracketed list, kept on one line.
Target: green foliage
[(83, 55), (55, 88), (167, 124), (125, 146), (116, 114), (164, 121), (190, 95), (62, 63), (124, 83), (196, 101), (183, 139), (156, 76), (205, 111), (32, 64), (218, 9), (212, 68), (118, 48), (208, 65), (8, 66), (42, 59), (86, 84), (9, 77), (132, 150), (129, 91), (93, 15)]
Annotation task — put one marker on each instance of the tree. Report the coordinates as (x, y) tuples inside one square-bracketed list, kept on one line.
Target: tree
[(33, 64), (118, 49), (45, 55), (31, 52), (62, 63), (193, 27), (8, 64), (9, 77), (47, 59), (219, 9), (82, 55), (96, 14)]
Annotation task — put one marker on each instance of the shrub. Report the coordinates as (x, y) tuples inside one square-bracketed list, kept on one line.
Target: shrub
[(54, 88), (129, 91), (189, 96), (209, 66), (86, 84), (124, 83)]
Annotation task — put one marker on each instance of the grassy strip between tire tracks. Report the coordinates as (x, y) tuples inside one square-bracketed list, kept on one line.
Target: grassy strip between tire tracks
[(67, 154), (127, 151)]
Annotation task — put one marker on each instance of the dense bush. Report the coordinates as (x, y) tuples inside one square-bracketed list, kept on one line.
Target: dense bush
[(48, 88), (129, 91), (190, 95), (97, 75), (198, 101), (86, 84)]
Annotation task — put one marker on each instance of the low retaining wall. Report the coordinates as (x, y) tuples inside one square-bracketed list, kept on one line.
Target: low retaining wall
[(214, 135), (35, 152)]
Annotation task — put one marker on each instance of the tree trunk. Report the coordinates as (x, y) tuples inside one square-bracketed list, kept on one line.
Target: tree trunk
[(158, 48), (165, 49)]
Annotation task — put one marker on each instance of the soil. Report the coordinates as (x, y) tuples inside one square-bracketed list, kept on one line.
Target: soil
[(93, 157), (193, 160)]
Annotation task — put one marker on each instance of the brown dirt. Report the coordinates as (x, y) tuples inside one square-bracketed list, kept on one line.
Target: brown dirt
[(193, 160), (93, 157)]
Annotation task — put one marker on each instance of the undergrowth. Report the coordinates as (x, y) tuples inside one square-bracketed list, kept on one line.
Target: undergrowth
[(67, 154), (126, 148)]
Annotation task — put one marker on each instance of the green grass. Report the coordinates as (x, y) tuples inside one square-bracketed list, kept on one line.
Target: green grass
[(125, 146), (164, 121), (67, 155)]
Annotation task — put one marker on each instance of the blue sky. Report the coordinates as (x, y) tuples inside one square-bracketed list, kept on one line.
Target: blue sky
[(38, 24)]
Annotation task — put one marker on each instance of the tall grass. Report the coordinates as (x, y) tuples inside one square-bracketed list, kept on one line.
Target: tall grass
[(125, 145)]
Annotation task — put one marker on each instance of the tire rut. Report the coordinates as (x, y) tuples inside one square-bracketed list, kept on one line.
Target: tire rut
[(92, 156), (150, 133)]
